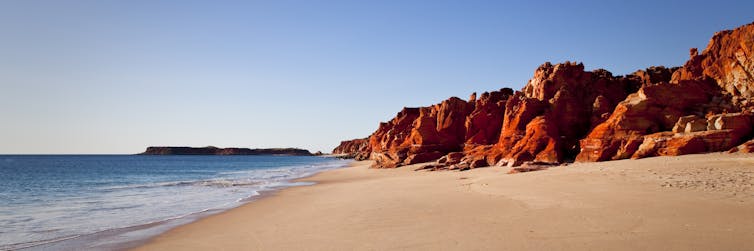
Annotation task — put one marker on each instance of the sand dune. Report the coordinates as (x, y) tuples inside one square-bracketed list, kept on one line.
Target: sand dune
[(693, 202)]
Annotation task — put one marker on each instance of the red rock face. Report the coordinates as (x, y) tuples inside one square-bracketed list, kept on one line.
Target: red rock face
[(746, 147), (438, 130), (653, 75), (729, 60), (540, 143), (519, 111), (484, 122), (566, 102), (714, 82), (386, 143), (565, 113), (724, 132), (654, 108), (355, 148), (439, 127), (424, 134)]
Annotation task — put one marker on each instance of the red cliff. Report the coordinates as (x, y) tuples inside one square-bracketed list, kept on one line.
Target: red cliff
[(666, 118), (558, 106), (355, 148), (565, 113)]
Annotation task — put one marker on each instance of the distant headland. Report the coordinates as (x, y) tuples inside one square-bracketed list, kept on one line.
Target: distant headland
[(211, 150)]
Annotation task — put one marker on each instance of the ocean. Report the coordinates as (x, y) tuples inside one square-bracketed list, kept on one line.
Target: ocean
[(104, 202)]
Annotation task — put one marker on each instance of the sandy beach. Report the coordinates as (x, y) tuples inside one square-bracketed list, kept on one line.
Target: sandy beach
[(693, 202)]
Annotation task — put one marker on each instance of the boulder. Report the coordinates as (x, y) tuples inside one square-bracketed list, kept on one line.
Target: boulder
[(740, 122), (690, 123), (422, 157), (746, 147), (671, 144), (654, 74), (451, 158)]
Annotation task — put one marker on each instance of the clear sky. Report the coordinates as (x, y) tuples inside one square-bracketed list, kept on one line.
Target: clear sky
[(116, 76)]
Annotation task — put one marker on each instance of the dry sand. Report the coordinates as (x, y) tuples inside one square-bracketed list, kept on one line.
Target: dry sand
[(694, 202)]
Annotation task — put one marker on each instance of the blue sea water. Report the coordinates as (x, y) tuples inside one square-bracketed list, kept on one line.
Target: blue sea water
[(52, 198)]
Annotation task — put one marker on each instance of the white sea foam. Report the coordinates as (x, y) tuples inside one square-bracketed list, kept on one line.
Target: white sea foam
[(44, 222)]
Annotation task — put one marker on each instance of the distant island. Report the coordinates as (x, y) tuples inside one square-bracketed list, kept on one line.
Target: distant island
[(211, 150)]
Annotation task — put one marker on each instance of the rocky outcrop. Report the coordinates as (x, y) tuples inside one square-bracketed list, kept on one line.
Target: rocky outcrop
[(355, 148), (211, 150), (722, 132), (653, 75), (716, 81), (565, 113), (422, 134), (558, 106), (728, 60), (484, 122), (386, 144), (690, 123), (439, 129), (654, 108), (746, 147)]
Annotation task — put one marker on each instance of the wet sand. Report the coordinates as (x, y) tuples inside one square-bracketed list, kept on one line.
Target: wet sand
[(699, 202)]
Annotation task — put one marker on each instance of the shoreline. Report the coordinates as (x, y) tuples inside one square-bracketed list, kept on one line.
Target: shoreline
[(129, 237), (138, 244), (673, 203)]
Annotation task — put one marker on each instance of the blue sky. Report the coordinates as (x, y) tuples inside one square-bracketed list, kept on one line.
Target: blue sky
[(117, 76)]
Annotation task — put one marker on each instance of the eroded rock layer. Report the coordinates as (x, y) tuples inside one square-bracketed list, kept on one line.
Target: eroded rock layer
[(565, 113), (355, 148)]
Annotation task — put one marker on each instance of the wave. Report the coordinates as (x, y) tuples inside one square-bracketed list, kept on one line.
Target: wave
[(34, 243), (224, 190), (257, 177), (221, 183)]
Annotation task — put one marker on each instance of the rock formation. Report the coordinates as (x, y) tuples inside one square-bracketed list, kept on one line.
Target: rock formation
[(728, 60), (565, 113), (355, 148), (717, 81), (746, 147), (558, 106)]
